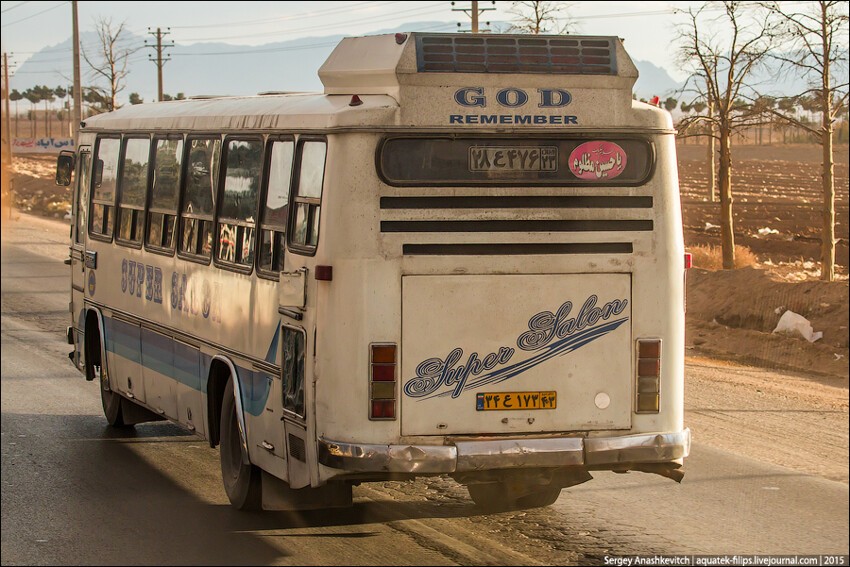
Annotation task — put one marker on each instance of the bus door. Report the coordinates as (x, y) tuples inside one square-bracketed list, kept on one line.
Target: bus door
[(78, 252), (298, 305)]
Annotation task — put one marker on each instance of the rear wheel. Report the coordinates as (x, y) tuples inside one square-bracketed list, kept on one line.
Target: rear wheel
[(540, 498), (110, 401), (242, 481), (496, 497)]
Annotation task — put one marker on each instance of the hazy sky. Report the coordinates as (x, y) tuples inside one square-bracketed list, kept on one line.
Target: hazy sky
[(28, 26)]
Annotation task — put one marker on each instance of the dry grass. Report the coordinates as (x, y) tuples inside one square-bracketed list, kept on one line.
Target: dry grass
[(710, 257)]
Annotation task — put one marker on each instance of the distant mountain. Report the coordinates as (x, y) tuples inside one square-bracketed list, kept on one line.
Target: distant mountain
[(654, 80), (223, 69)]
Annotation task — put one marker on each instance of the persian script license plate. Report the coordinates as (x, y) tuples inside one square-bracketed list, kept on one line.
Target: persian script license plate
[(513, 159), (485, 401)]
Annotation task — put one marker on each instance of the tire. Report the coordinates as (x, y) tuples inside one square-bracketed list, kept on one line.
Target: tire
[(242, 482), (110, 401), (493, 497), (111, 407), (490, 497), (540, 498)]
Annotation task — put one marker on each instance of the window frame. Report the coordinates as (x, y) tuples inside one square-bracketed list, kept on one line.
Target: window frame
[(182, 216), (103, 237), (82, 187), (120, 192), (294, 200), (218, 262), (262, 224), (162, 250)]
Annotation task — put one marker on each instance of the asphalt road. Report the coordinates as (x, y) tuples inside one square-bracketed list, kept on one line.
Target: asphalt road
[(76, 492)]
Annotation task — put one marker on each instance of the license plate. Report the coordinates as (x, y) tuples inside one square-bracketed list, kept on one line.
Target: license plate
[(486, 401)]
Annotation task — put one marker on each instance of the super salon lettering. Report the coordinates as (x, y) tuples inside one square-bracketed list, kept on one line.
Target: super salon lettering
[(433, 373), (545, 326), (544, 329)]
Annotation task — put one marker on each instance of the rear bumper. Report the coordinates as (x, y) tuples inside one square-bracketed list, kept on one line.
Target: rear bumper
[(471, 456)]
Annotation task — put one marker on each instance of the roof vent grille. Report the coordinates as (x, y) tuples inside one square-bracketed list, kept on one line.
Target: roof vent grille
[(569, 55)]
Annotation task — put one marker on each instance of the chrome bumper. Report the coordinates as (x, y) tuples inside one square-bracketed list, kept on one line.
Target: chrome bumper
[(469, 456)]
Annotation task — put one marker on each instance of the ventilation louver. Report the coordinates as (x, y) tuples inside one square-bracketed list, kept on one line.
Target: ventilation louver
[(516, 54)]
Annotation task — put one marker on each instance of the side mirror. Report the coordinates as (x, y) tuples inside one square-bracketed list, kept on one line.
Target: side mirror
[(64, 168), (98, 173)]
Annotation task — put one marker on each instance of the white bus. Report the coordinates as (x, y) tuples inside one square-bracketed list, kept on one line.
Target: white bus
[(463, 258)]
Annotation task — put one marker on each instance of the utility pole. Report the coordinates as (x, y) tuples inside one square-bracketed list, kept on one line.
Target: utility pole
[(6, 183), (159, 61), (77, 114), (7, 127), (473, 13)]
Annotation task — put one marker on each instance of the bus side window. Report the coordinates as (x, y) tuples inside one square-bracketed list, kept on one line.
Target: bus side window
[(238, 211), (81, 195), (293, 370), (196, 216), (102, 217), (276, 207), (162, 213), (133, 189), (307, 195)]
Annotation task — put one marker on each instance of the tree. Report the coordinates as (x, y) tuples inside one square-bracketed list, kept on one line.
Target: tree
[(536, 17), (34, 98), (721, 54), (136, 99), (61, 93), (112, 65), (47, 96), (15, 96), (97, 99), (670, 104), (764, 106), (817, 50)]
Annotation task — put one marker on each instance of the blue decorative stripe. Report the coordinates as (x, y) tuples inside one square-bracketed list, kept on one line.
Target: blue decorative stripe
[(122, 339), (181, 362), (187, 365)]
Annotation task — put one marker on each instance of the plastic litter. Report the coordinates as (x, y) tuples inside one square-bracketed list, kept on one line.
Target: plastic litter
[(795, 324)]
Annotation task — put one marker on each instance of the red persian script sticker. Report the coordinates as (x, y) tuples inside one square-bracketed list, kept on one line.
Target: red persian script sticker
[(597, 160)]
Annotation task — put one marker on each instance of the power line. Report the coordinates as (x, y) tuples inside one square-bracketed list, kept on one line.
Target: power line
[(34, 15), (346, 9), (13, 7), (269, 50), (418, 11)]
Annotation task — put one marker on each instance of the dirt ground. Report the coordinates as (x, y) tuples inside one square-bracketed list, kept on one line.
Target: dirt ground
[(731, 314), (776, 190)]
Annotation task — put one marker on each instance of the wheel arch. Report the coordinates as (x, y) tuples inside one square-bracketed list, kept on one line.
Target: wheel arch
[(221, 370), (94, 328)]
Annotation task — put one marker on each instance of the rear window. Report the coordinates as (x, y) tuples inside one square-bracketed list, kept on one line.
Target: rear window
[(513, 161)]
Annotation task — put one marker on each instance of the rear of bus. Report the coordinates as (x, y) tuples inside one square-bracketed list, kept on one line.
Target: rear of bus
[(507, 303)]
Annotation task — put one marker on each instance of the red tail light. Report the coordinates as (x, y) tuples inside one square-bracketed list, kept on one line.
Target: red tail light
[(382, 381), (648, 375)]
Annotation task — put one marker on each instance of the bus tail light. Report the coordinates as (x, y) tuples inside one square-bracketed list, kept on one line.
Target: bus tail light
[(648, 375), (689, 262), (382, 381)]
